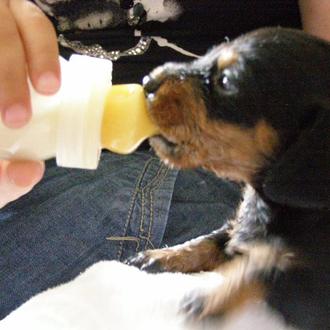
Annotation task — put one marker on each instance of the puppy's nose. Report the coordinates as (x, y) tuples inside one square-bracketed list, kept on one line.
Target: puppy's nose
[(154, 80), (150, 84)]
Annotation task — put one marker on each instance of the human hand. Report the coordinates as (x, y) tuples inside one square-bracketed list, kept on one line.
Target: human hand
[(28, 47)]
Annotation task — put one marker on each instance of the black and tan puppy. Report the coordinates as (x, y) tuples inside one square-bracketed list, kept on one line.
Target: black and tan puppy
[(255, 110)]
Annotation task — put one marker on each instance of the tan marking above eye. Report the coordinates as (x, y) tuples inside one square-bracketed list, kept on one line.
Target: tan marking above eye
[(226, 58)]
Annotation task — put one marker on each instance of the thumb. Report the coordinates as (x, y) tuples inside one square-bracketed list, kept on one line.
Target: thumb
[(17, 178)]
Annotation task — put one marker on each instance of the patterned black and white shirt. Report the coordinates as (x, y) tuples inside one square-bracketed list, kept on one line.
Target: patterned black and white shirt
[(173, 30)]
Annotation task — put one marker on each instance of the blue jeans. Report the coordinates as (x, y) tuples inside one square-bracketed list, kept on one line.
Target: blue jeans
[(74, 218)]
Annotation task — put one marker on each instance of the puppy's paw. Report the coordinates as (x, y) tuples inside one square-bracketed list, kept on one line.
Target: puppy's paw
[(151, 261), (244, 281), (220, 301), (193, 305), (200, 254), (199, 305)]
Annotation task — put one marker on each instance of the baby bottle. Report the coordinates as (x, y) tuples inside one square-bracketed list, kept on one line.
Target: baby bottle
[(86, 115)]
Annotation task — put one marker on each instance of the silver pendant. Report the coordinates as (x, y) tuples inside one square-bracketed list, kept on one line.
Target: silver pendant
[(97, 50)]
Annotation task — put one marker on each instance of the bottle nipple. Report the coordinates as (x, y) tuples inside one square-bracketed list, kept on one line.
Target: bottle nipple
[(126, 122)]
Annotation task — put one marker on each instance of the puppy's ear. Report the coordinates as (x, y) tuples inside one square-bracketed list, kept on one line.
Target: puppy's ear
[(301, 177)]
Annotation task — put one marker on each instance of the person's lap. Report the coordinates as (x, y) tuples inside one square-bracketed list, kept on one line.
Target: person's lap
[(75, 218)]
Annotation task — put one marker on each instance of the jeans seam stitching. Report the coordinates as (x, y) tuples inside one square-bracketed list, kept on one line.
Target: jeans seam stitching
[(152, 203), (162, 174), (130, 210), (146, 187)]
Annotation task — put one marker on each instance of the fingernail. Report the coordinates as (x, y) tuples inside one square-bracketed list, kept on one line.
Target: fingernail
[(16, 116), (25, 173), (48, 83)]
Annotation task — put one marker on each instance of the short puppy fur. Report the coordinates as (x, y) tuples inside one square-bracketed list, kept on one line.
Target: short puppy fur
[(254, 110)]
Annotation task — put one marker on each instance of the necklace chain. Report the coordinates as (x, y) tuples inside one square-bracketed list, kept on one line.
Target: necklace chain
[(97, 50)]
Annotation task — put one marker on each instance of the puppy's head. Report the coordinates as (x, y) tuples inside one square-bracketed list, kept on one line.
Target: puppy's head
[(238, 110)]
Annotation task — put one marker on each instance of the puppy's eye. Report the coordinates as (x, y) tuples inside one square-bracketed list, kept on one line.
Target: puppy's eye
[(225, 82)]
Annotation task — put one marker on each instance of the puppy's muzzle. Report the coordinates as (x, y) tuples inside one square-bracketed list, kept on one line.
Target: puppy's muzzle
[(174, 71)]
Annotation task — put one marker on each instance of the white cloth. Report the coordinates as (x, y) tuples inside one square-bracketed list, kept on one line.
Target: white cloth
[(111, 295)]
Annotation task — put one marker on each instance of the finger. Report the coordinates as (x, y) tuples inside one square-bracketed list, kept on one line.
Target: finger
[(40, 44), (14, 94), (25, 173), (17, 179)]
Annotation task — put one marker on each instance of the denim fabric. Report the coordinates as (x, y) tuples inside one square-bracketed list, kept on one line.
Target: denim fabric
[(75, 218), (200, 203)]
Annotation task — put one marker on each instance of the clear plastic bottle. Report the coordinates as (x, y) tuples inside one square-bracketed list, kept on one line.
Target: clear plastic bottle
[(86, 115)]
